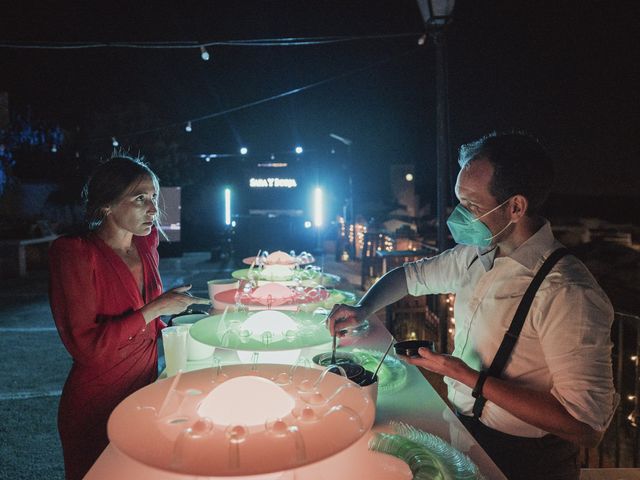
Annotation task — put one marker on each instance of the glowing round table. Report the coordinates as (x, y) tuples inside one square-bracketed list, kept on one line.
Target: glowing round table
[(416, 403)]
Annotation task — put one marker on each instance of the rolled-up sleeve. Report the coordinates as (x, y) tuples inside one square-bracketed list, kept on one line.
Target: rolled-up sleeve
[(575, 334), (439, 274)]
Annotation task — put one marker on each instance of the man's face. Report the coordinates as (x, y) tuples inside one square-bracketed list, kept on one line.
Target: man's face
[(472, 189)]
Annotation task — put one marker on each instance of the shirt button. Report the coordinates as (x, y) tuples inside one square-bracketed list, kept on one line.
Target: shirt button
[(130, 338), (144, 329)]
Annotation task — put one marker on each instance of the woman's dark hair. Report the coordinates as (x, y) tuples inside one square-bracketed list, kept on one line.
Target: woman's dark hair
[(521, 166), (110, 181)]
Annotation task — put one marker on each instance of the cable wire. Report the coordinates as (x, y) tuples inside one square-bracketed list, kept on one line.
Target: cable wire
[(167, 45)]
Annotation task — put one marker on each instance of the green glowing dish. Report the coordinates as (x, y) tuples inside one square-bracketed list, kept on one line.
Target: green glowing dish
[(309, 278), (335, 296), (392, 375), (230, 331)]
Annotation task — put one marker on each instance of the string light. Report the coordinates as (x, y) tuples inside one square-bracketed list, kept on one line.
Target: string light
[(261, 42), (114, 142), (267, 99), (188, 128), (423, 39), (243, 150), (203, 53)]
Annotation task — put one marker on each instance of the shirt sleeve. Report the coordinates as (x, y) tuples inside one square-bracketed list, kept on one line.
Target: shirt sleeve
[(86, 332), (575, 333), (438, 274)]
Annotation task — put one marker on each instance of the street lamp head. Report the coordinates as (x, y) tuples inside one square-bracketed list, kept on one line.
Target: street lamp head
[(346, 141), (436, 13)]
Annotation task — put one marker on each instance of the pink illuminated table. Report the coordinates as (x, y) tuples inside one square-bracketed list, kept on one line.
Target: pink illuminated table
[(416, 404)]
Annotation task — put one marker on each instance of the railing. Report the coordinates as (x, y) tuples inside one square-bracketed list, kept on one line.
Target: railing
[(620, 446)]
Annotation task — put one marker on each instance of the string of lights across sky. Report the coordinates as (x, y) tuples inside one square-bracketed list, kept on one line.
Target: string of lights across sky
[(205, 55)]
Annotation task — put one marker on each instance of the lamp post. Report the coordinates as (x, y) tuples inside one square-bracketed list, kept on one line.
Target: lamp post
[(437, 16), (348, 142)]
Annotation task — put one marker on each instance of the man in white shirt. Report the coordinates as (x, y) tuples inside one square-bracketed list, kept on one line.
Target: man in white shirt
[(555, 392)]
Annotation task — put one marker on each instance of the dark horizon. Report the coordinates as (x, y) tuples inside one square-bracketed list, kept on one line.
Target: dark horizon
[(565, 73)]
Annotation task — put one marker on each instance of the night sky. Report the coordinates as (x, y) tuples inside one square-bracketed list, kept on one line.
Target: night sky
[(566, 71)]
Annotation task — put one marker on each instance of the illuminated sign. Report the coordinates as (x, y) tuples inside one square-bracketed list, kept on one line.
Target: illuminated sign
[(273, 183)]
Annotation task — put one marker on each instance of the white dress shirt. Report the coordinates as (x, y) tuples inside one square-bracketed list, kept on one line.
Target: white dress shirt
[(565, 345)]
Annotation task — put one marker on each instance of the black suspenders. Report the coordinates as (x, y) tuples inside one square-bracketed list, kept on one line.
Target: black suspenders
[(512, 334)]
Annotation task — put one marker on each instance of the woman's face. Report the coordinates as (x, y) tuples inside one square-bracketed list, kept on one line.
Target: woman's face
[(136, 210)]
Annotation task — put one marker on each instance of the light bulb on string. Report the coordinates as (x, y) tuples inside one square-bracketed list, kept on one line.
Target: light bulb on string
[(204, 54), (188, 128), (243, 151), (423, 39), (114, 142), (54, 148)]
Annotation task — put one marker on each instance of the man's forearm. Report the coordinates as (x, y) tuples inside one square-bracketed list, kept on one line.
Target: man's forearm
[(537, 408), (391, 287)]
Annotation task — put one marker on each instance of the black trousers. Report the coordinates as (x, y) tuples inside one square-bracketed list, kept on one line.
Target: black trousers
[(522, 458)]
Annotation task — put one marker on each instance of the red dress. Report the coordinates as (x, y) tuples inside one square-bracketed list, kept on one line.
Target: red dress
[(94, 298)]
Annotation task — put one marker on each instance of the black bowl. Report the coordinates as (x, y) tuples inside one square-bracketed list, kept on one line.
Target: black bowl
[(324, 359), (409, 348)]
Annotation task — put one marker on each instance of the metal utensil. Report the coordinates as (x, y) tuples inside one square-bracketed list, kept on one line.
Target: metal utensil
[(333, 347), (383, 357)]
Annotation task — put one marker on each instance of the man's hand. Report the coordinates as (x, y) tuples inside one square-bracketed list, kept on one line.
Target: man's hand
[(442, 364), (343, 317)]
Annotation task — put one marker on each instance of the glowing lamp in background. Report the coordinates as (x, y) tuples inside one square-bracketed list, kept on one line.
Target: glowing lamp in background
[(317, 207), (227, 206), (244, 151)]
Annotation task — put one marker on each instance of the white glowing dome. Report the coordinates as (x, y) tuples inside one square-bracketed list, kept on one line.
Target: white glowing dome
[(274, 272), (247, 400), (273, 321)]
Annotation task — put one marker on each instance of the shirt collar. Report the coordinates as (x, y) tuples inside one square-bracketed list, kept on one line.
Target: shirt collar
[(529, 254)]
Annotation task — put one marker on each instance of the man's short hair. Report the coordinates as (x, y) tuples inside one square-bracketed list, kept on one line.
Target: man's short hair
[(521, 166)]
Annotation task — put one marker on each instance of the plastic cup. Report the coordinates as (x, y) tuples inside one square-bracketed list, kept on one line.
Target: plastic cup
[(195, 350), (174, 341), (220, 285)]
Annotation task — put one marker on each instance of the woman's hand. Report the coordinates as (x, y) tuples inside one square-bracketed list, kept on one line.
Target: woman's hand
[(172, 302), (343, 317)]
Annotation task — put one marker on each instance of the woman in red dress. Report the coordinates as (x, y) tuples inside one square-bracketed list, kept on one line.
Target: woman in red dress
[(106, 296)]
